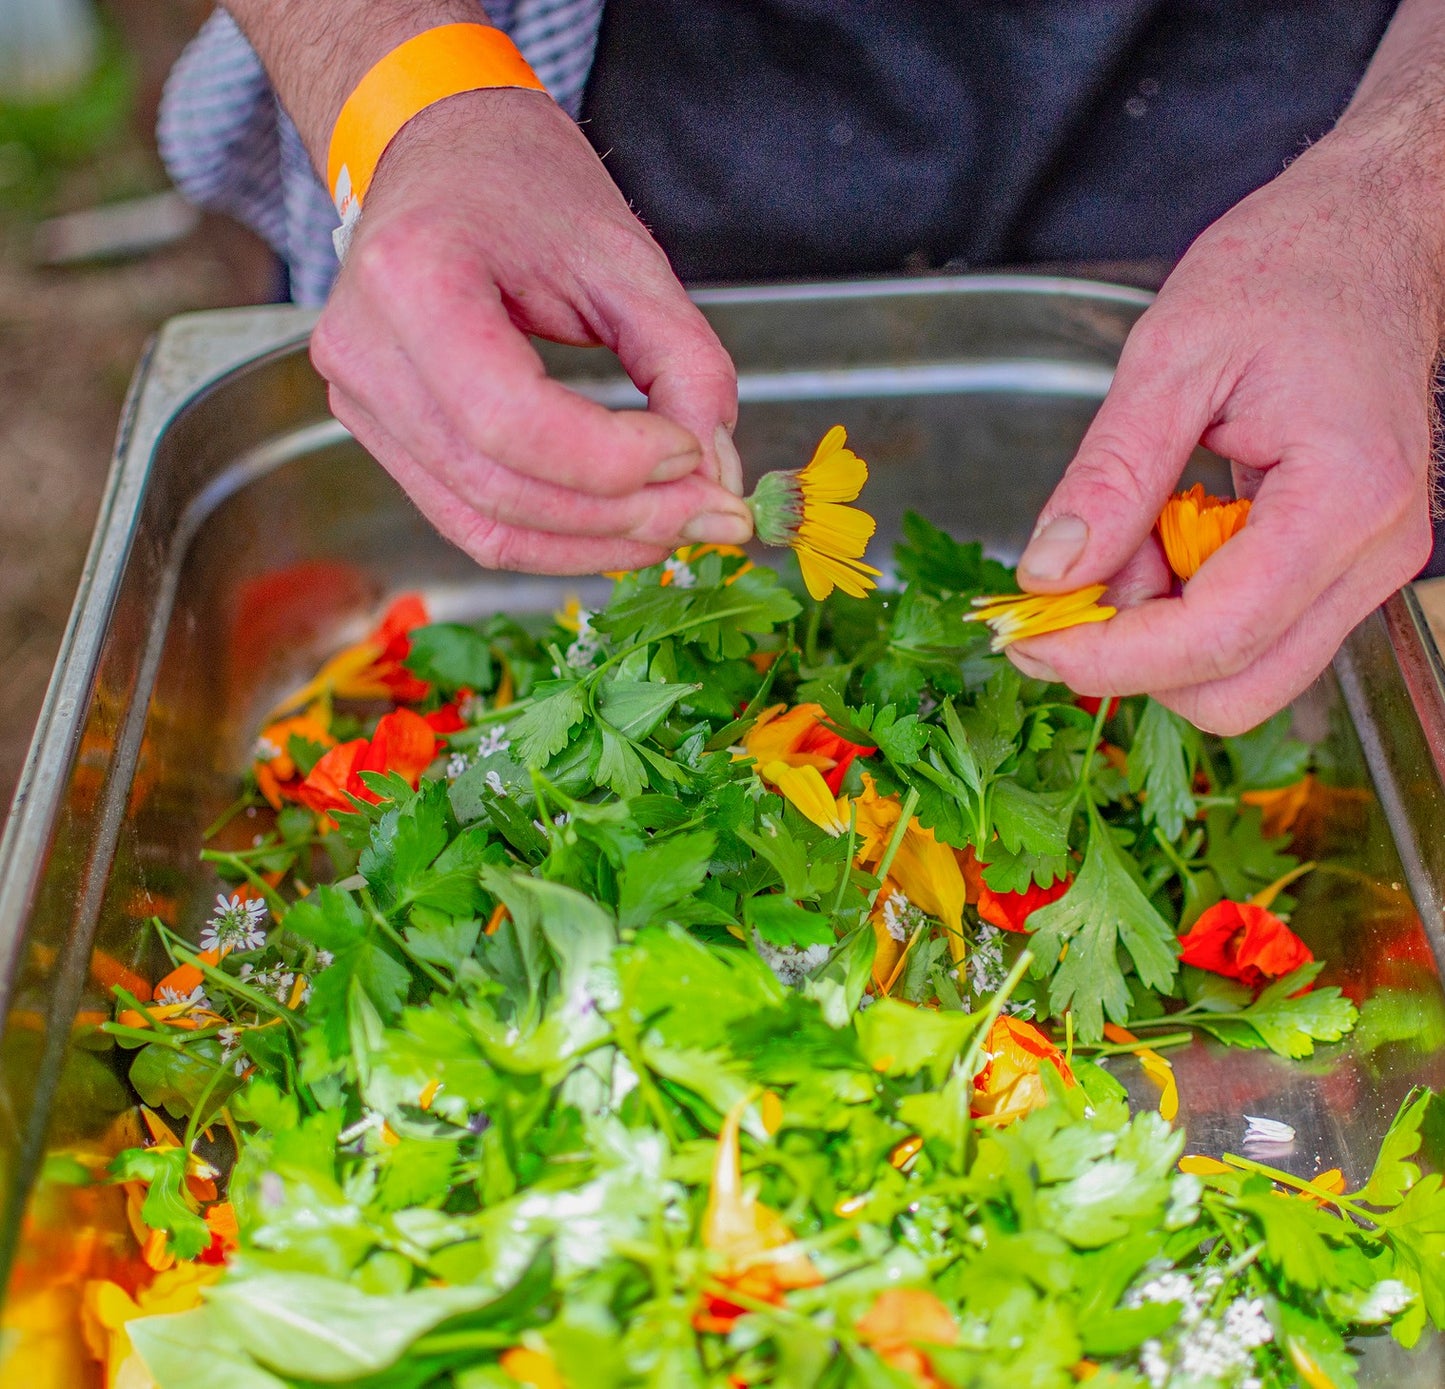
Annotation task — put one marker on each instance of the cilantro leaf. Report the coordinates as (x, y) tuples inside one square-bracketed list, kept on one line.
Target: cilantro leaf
[(782, 922), (1290, 1025), (635, 707), (932, 559), (1161, 765), (1394, 1174), (1102, 911), (667, 872), (451, 656), (542, 731), (167, 1204), (1267, 757)]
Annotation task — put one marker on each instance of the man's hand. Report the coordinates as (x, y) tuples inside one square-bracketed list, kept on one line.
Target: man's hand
[(1297, 338), (490, 218)]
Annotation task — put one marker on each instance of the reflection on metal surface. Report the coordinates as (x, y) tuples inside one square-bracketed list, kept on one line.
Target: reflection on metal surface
[(245, 535)]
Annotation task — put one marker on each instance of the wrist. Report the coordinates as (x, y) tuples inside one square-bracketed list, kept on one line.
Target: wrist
[(317, 53)]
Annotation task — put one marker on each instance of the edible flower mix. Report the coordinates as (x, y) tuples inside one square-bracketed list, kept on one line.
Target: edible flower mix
[(725, 988)]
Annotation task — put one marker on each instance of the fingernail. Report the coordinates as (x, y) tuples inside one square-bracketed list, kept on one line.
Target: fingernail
[(1052, 552), (679, 465), (730, 466), (719, 528)]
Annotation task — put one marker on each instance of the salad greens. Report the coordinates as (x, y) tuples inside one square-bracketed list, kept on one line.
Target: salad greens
[(617, 1053)]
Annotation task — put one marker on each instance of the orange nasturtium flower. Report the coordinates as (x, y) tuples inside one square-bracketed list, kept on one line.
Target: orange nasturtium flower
[(926, 872), (1010, 1085), (1193, 525), (1015, 617), (403, 743), (108, 1308), (900, 1323), (799, 737), (805, 510), (1243, 941), (1010, 911), (758, 1257), (277, 776), (370, 669)]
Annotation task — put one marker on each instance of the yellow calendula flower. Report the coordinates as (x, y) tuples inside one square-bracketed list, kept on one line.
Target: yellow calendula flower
[(1193, 525), (806, 510), (1013, 617), (805, 788)]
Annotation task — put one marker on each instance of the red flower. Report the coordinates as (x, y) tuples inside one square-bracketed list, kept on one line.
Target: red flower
[(1243, 941), (1090, 704), (393, 636), (1010, 911), (448, 719), (402, 743)]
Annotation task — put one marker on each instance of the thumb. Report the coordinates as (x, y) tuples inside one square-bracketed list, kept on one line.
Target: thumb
[(1110, 496)]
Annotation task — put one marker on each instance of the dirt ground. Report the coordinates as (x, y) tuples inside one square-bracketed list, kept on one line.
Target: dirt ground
[(69, 340)]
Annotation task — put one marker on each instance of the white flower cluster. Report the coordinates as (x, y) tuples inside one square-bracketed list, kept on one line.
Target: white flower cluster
[(1208, 1351), (494, 784), (277, 981), (584, 651), (987, 969), (788, 963), (195, 999), (265, 751), (494, 740), (457, 763), (682, 576), (900, 916), (235, 925), (231, 1053)]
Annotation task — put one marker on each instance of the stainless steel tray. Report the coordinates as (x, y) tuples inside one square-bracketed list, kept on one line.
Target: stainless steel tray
[(244, 535)]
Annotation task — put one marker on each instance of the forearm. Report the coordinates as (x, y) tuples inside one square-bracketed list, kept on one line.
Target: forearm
[(316, 51)]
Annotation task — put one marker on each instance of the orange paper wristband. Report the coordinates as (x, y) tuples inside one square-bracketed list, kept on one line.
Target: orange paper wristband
[(428, 68)]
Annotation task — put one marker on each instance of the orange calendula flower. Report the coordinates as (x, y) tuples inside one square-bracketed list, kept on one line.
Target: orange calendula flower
[(371, 669), (1156, 1067), (1193, 525), (799, 737), (1243, 941), (805, 788), (1015, 617), (1010, 1085), (900, 1323), (403, 743), (758, 1256), (806, 511)]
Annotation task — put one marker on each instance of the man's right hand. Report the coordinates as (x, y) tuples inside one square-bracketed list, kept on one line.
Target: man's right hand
[(490, 218)]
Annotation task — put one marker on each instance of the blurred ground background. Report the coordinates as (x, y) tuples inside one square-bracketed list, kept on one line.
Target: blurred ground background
[(70, 337)]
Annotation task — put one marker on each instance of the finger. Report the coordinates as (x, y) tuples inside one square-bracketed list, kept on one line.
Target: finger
[(674, 358), (494, 544), (1160, 402), (1289, 667), (691, 510), (1312, 521), (442, 305)]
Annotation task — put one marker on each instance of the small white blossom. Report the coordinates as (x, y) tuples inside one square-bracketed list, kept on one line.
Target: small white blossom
[(457, 763), (587, 647), (895, 916), (195, 999), (1206, 1350), (265, 751), (494, 740), (231, 1053), (278, 981), (789, 964), (235, 925), (494, 783), (682, 576), (324, 959)]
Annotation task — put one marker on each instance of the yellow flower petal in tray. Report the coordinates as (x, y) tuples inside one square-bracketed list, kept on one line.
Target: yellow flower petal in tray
[(1015, 617)]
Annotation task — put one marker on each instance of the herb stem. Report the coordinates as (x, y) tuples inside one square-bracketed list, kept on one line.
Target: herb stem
[(1086, 770), (378, 919), (226, 816), (895, 842), (275, 903)]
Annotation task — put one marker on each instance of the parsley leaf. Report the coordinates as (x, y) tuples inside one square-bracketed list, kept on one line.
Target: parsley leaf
[(1161, 765), (1102, 911)]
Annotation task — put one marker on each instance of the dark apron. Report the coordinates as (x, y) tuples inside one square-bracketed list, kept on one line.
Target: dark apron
[(802, 138), (768, 139)]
